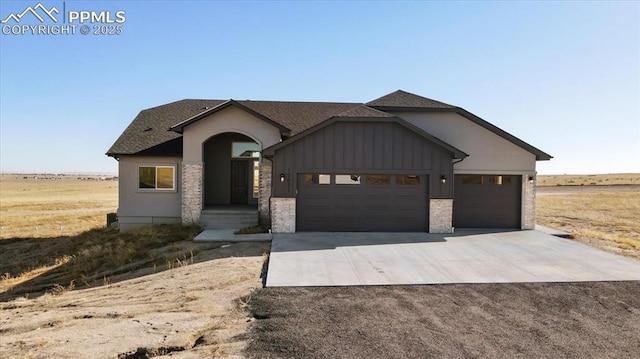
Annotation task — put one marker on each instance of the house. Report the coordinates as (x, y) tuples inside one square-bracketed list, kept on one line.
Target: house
[(401, 162)]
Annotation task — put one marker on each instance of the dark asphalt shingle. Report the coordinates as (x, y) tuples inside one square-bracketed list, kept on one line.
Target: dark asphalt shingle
[(399, 99), (150, 128), (363, 111), (298, 116), (149, 133)]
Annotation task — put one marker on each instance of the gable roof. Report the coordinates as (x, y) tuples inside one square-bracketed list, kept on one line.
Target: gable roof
[(180, 126), (404, 101), (364, 114), (149, 129), (157, 130)]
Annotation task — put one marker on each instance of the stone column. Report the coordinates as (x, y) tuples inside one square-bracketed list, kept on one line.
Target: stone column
[(191, 192), (265, 192), (529, 202), (441, 215), (283, 215)]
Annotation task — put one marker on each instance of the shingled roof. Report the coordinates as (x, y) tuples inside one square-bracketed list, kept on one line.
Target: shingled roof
[(363, 111), (150, 128), (402, 100), (298, 116), (150, 134)]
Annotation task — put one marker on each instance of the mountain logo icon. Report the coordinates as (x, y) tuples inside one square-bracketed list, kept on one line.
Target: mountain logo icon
[(34, 11)]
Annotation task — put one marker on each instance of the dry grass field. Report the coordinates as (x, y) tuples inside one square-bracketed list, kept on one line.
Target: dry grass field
[(605, 216), (589, 180), (39, 208), (71, 288)]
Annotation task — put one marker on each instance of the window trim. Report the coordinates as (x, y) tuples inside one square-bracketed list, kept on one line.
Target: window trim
[(174, 188)]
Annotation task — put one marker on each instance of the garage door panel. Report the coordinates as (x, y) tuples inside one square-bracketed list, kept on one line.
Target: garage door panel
[(372, 203), (487, 201)]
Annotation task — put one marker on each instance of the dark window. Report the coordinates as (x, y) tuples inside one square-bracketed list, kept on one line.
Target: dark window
[(406, 179), (471, 179), (497, 180), (317, 179), (147, 177), (377, 179)]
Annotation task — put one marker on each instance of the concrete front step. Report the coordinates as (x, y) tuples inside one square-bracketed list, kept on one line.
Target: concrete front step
[(228, 218)]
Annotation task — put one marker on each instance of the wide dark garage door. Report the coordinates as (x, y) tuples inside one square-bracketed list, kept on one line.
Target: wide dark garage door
[(361, 203), (486, 201)]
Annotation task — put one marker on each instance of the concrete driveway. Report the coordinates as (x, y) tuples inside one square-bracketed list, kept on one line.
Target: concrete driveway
[(339, 259)]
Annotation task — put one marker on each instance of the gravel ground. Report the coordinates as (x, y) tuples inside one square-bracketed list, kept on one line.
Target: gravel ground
[(541, 320)]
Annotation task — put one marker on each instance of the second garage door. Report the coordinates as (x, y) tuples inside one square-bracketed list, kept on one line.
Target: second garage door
[(361, 203), (486, 201)]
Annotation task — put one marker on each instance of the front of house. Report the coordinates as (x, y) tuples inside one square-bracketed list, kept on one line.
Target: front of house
[(398, 163)]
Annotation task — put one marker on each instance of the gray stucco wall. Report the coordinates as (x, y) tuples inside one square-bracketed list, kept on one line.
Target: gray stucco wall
[(363, 148), (143, 207), (487, 151), (230, 119)]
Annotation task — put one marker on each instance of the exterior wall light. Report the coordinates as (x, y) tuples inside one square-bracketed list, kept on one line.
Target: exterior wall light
[(282, 178), (443, 179), (531, 179)]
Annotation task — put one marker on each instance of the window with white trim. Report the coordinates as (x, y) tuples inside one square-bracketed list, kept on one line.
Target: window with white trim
[(160, 178)]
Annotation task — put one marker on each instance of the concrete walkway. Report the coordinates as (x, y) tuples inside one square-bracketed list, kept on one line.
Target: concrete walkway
[(339, 259), (228, 235)]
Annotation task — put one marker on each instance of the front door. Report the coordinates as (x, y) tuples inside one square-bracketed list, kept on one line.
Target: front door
[(239, 182)]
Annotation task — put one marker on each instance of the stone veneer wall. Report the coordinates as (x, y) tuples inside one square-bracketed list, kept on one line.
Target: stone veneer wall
[(283, 215), (265, 192), (441, 215), (191, 192), (529, 202)]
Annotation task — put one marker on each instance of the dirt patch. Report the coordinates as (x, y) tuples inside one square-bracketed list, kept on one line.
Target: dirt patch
[(144, 353), (189, 311), (569, 320)]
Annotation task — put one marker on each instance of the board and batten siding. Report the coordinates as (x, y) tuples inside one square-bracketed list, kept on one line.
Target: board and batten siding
[(363, 148)]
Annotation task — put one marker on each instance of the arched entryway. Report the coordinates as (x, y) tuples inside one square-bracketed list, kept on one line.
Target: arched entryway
[(231, 163)]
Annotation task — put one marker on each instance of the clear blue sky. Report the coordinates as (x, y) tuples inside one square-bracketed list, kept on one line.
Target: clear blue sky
[(562, 76)]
